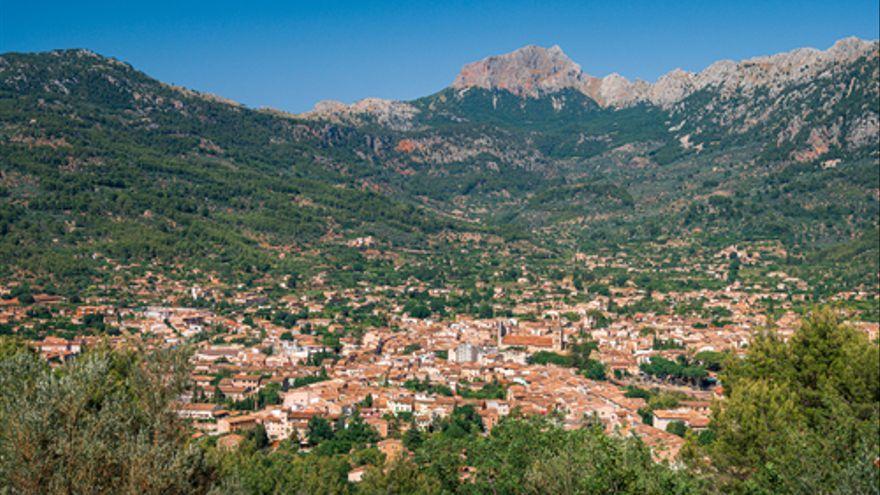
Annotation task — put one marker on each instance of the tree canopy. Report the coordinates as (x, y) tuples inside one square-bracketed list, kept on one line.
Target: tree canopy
[(802, 416)]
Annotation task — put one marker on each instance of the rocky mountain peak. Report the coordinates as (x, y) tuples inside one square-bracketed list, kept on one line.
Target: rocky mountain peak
[(529, 71), (852, 47)]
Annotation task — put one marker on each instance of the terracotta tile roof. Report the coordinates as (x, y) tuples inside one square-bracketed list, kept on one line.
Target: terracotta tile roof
[(528, 340)]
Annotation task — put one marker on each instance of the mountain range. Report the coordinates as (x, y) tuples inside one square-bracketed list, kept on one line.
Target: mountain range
[(99, 163), (533, 72)]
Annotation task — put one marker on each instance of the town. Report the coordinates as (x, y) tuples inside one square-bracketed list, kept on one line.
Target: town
[(277, 365), (507, 248)]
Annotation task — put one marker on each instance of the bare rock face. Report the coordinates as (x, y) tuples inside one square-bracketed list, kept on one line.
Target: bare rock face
[(530, 71), (396, 115), (671, 87), (533, 71), (864, 131), (774, 72), (616, 90)]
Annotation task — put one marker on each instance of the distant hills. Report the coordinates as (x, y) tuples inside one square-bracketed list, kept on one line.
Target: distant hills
[(98, 160)]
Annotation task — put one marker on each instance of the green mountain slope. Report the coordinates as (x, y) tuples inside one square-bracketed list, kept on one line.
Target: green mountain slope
[(99, 161)]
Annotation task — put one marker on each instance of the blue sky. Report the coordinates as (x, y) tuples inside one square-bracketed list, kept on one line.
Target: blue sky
[(289, 55)]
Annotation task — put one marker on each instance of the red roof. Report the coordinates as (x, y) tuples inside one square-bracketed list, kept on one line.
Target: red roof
[(528, 340)]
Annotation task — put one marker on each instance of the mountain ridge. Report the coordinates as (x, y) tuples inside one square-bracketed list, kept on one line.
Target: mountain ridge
[(534, 71)]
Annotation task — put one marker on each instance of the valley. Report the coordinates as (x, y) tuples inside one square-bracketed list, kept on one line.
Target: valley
[(532, 281)]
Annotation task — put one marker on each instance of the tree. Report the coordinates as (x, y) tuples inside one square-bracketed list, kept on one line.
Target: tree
[(463, 421), (595, 370), (259, 437), (548, 357), (350, 433), (681, 370), (711, 360), (733, 269), (357, 432), (485, 311), (534, 455), (801, 416), (755, 426), (269, 394), (101, 423), (677, 428), (417, 310), (10, 346), (319, 429), (281, 471), (580, 352), (402, 476), (412, 439)]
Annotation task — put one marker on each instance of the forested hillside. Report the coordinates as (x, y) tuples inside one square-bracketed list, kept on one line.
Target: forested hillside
[(103, 166), (101, 162)]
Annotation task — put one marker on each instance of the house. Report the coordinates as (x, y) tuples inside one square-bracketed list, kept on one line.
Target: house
[(400, 405), (499, 406), (246, 381), (664, 446), (278, 427), (54, 347), (203, 381), (692, 419), (465, 353), (236, 423), (379, 424), (299, 422), (83, 311), (195, 323), (198, 411), (532, 343), (47, 299), (229, 442), (234, 393), (356, 475), (215, 353), (250, 299), (392, 448), (489, 417)]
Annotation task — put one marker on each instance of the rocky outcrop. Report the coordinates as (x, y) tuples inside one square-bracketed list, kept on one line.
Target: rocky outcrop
[(530, 71), (774, 73), (810, 100), (395, 115), (533, 71), (795, 98)]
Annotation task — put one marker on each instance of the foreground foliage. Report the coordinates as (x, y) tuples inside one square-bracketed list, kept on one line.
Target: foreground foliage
[(98, 425), (802, 416)]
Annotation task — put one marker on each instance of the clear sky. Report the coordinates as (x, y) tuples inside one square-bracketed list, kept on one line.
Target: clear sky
[(289, 55)]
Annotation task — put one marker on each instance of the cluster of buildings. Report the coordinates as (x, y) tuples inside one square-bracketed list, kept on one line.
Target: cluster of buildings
[(249, 369)]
